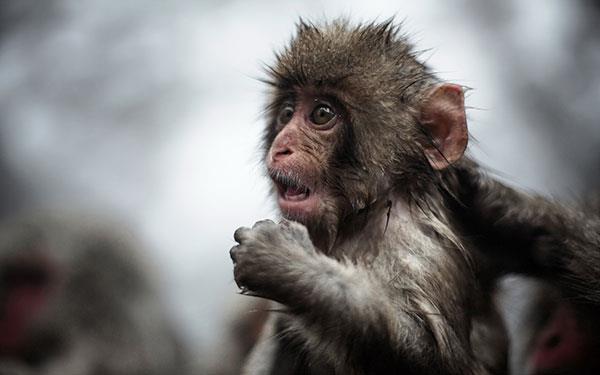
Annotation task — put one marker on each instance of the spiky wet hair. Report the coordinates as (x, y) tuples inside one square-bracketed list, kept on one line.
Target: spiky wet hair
[(372, 71)]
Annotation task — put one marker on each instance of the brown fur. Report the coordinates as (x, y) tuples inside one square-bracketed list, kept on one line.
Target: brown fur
[(531, 234), (379, 281)]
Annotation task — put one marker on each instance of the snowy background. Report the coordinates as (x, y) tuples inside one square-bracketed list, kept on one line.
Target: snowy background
[(149, 111)]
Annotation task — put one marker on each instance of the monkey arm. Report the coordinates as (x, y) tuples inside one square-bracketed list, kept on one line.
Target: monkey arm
[(347, 314), (530, 234), (503, 223), (571, 251)]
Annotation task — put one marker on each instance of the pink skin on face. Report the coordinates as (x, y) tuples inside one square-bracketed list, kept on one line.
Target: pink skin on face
[(296, 203), (297, 154)]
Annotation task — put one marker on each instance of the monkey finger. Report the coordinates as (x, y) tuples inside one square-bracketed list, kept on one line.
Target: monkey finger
[(232, 253), (263, 223), (238, 278), (241, 234)]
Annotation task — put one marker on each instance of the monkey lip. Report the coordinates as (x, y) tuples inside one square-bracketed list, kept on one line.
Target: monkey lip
[(295, 194), (297, 204), (292, 191), (295, 199)]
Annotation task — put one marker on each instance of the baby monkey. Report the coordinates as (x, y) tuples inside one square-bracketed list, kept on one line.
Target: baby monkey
[(370, 274)]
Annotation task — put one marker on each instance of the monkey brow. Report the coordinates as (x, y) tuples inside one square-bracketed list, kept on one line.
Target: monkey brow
[(290, 77), (333, 81)]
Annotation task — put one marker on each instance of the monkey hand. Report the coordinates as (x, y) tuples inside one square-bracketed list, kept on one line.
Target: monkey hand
[(269, 258)]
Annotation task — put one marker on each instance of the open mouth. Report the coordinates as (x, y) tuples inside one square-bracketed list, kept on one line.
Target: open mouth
[(290, 188), (296, 198)]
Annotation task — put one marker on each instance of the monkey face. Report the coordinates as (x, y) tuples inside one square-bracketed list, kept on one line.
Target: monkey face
[(354, 118), (306, 131)]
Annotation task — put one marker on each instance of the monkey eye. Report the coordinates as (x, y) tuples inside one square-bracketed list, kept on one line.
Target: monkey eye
[(322, 114), (285, 115)]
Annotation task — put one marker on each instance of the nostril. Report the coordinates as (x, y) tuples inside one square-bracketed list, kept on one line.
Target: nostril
[(282, 153)]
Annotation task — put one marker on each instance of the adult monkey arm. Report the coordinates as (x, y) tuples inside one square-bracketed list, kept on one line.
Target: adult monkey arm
[(502, 222), (529, 234)]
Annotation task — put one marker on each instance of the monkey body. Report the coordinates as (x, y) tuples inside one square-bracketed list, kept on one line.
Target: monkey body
[(395, 241), (340, 317), (371, 272)]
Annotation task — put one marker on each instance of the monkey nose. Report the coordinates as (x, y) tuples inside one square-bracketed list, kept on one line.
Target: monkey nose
[(281, 153)]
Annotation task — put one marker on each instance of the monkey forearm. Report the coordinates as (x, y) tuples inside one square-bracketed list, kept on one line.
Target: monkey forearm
[(345, 317), (339, 305), (344, 307), (341, 297), (530, 234), (501, 221)]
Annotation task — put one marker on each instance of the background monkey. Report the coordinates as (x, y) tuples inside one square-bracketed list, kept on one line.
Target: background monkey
[(75, 299), (551, 334), (373, 278)]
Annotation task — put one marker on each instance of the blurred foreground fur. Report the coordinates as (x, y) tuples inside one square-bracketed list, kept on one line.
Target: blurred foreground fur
[(75, 299)]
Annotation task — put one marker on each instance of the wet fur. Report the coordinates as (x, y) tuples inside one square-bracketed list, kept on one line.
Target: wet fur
[(383, 282)]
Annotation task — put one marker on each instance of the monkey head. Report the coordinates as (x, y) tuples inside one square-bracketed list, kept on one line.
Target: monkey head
[(353, 117)]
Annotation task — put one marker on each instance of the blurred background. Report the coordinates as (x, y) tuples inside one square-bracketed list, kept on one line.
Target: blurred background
[(149, 111)]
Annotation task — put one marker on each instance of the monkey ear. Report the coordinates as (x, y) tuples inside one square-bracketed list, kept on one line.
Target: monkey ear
[(443, 115)]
